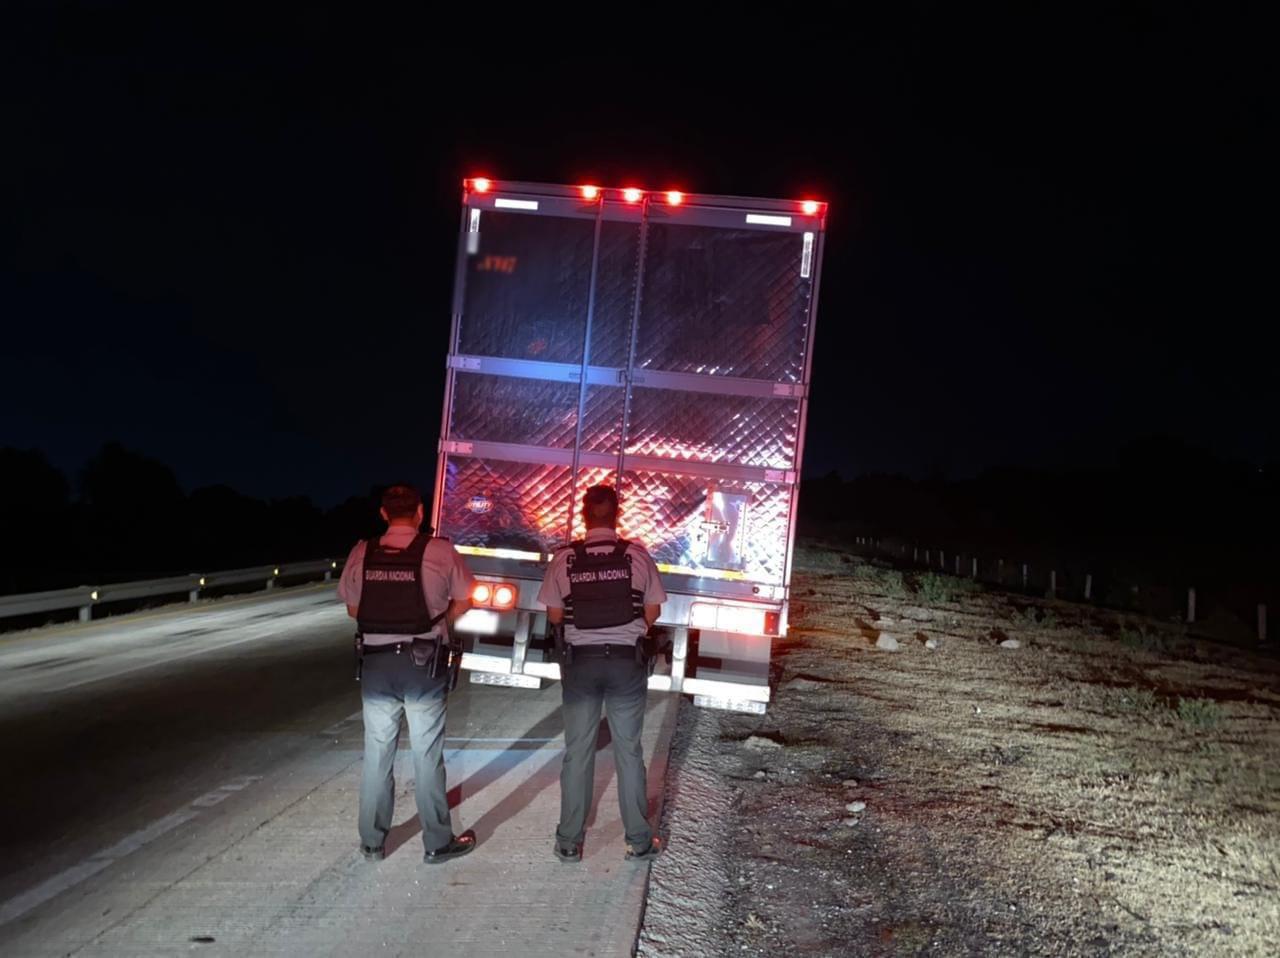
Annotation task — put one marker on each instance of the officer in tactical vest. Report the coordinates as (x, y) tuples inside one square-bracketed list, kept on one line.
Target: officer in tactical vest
[(405, 589), (604, 592)]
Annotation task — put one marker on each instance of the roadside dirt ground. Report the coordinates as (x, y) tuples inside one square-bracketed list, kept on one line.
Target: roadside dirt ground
[(1108, 786)]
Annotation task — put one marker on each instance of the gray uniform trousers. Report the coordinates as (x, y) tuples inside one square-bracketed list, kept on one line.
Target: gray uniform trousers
[(621, 685), (390, 686)]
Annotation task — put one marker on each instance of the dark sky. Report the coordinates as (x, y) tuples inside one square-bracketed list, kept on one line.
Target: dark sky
[(1049, 234)]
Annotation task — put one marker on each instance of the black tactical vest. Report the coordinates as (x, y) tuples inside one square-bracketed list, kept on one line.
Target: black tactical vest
[(600, 593), (391, 599)]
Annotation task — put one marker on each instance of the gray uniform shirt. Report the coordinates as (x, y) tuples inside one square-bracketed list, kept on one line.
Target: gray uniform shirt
[(444, 577), (644, 579)]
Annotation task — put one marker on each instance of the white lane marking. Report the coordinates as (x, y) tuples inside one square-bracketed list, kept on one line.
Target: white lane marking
[(241, 783), (131, 843), (515, 739), (337, 727), (159, 661), (210, 799), (19, 905), (225, 791), (116, 642)]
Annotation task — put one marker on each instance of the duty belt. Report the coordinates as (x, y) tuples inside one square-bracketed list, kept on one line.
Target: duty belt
[(398, 648), (607, 651)]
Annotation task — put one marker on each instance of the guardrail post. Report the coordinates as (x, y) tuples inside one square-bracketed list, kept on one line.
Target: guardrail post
[(193, 595), (86, 613)]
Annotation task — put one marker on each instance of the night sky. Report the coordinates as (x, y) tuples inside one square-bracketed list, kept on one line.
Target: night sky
[(1049, 235)]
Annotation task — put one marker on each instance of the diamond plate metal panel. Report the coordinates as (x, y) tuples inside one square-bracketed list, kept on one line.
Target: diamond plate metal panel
[(503, 409), (703, 427), (615, 293), (602, 423), (670, 515), (723, 303), (505, 505), (526, 288)]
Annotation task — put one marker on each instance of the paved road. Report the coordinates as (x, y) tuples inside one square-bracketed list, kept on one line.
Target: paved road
[(185, 781)]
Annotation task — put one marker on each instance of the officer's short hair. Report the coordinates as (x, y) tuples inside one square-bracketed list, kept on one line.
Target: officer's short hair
[(401, 501), (600, 504)]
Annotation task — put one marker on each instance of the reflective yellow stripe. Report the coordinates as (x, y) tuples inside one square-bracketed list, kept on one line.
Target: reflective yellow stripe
[(502, 553), (726, 574)]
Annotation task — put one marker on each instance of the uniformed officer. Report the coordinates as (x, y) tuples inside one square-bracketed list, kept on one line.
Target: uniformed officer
[(405, 589), (606, 593)]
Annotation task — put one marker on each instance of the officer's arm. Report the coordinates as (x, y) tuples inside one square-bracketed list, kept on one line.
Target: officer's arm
[(353, 611), (552, 591), (456, 609), (651, 613)]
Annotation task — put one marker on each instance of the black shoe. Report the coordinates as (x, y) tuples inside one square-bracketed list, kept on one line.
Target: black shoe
[(644, 854), (458, 846), (372, 854), (568, 851)]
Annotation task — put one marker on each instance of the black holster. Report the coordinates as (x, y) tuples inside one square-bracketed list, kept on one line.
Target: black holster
[(650, 645), (446, 660), (563, 650), (425, 656), (451, 656)]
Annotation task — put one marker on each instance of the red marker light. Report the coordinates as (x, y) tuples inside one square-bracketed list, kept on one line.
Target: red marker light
[(504, 597), (481, 593), (675, 197), (590, 192), (631, 195), (481, 185), (810, 207)]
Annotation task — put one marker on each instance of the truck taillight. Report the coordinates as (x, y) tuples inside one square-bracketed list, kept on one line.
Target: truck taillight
[(810, 207), (482, 185), (504, 597), (632, 195), (494, 595), (675, 197), (590, 192), (729, 618)]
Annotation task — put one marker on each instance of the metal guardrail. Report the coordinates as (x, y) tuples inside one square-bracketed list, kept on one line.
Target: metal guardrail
[(85, 597)]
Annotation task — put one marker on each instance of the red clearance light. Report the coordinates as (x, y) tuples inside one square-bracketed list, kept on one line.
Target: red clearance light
[(811, 207), (482, 185), (504, 597), (590, 192), (675, 197), (481, 593), (631, 194)]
